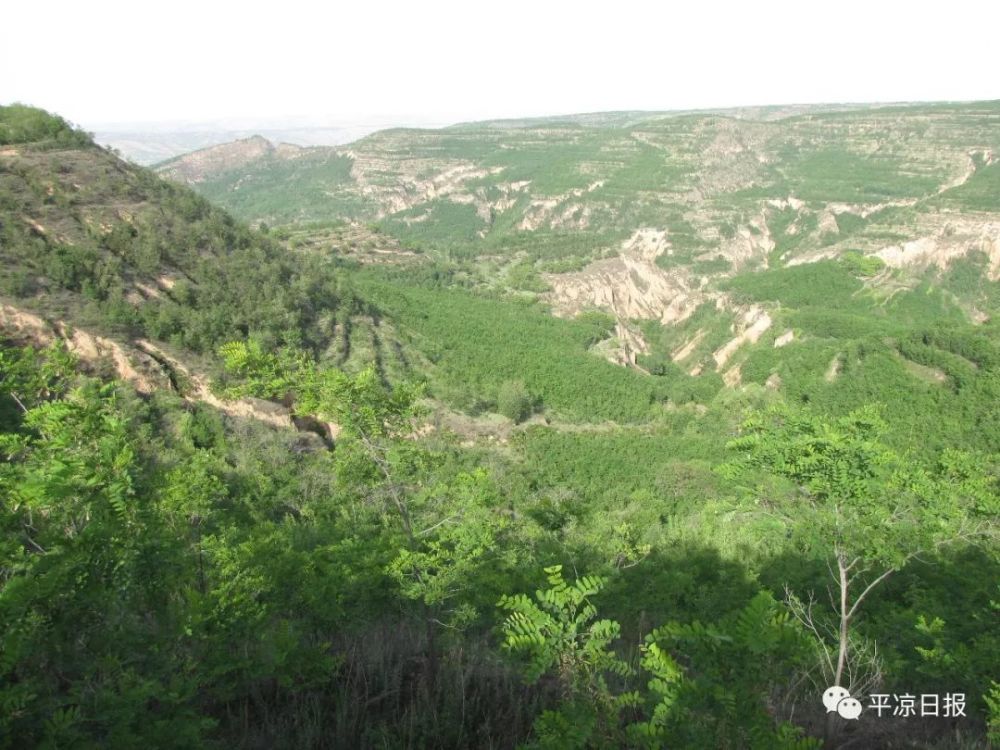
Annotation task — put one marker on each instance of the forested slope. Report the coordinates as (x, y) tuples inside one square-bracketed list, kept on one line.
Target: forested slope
[(92, 238), (509, 541)]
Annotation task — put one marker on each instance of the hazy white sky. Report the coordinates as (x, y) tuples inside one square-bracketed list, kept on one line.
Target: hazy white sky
[(104, 61)]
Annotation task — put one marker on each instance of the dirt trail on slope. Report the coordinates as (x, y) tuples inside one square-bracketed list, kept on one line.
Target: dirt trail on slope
[(140, 372), (197, 389), (786, 338), (833, 370), (970, 168), (143, 365)]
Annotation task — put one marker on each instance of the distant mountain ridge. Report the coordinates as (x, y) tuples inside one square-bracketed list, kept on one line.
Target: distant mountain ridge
[(207, 162), (150, 143)]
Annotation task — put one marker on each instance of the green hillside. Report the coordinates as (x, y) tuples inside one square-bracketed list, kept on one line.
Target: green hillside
[(745, 208), (697, 175), (87, 237), (543, 433)]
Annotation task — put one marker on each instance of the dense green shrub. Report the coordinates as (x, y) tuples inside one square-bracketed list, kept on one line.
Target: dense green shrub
[(861, 265), (514, 401)]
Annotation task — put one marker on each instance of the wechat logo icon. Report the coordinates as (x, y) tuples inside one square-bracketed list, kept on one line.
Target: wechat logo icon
[(838, 699)]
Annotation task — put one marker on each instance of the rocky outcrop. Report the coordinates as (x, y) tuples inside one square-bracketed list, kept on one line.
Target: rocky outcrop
[(954, 237), (784, 339), (629, 286)]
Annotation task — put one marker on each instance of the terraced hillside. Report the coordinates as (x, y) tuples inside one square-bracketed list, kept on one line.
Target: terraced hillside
[(725, 189), (751, 246)]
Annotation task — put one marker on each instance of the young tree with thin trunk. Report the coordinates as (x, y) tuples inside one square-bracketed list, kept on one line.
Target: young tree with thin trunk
[(866, 510)]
